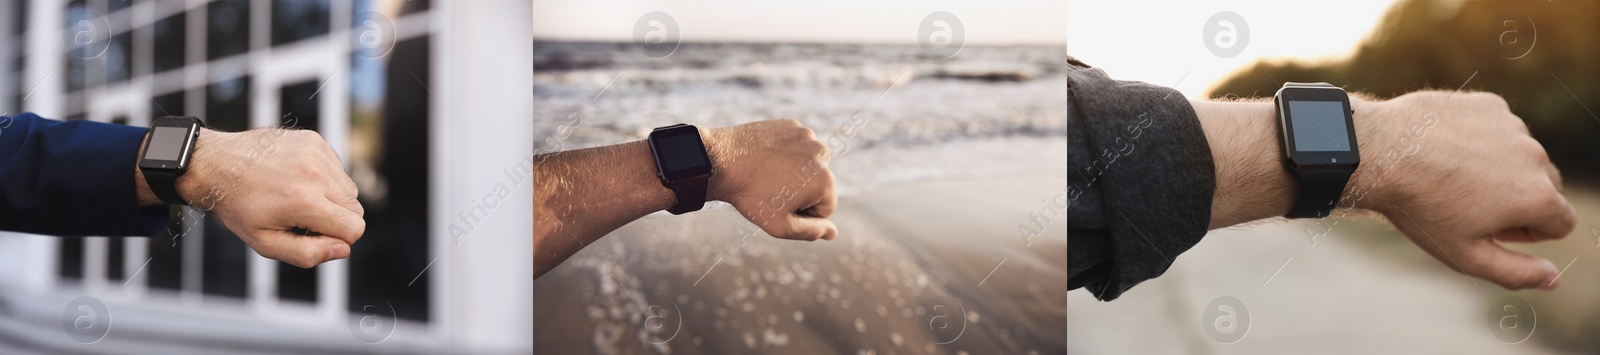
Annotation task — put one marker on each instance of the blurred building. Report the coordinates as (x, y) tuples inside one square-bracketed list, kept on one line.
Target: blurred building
[(401, 89)]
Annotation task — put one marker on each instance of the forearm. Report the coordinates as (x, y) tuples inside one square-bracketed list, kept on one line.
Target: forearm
[(1252, 181), (581, 195)]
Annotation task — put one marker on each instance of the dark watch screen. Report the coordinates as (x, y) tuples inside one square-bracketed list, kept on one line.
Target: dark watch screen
[(679, 152), (682, 153), (1319, 126)]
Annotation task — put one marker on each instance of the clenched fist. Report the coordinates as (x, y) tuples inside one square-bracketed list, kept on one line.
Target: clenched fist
[(776, 174), (284, 192), (1473, 178)]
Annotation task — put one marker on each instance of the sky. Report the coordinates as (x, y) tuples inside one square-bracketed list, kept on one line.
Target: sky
[(1154, 41), (1161, 42), (855, 21)]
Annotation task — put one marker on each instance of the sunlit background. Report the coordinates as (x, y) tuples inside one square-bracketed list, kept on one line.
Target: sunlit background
[(994, 23), (1364, 288), (944, 166), (1132, 42)]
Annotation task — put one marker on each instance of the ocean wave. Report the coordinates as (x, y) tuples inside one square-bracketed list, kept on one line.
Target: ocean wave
[(592, 65), (916, 112), (860, 99), (762, 75)]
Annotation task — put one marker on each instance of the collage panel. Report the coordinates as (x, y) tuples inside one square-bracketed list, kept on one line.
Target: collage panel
[(1372, 177), (799, 178)]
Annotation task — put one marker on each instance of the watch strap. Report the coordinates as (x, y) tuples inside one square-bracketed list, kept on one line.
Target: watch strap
[(1319, 191), (1308, 85), (164, 183), (691, 195)]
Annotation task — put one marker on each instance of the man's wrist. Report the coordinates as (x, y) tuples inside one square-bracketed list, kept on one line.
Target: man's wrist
[(1368, 187), (1252, 181), (196, 184), (721, 157)]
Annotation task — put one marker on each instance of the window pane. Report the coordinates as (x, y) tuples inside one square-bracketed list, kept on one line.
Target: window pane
[(297, 20), (227, 28), (79, 20), (166, 255), (228, 105), (389, 116), (300, 105), (295, 283), (168, 104), (114, 5), (223, 261), (114, 250), (20, 18), (71, 258), (119, 58), (170, 43), (222, 265), (77, 73), (300, 108), (77, 10)]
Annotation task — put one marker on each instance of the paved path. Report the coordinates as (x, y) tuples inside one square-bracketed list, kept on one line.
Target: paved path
[(1336, 297)]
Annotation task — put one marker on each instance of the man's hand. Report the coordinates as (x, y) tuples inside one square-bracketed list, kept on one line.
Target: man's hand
[(1456, 173), (1477, 178), (269, 185), (776, 174)]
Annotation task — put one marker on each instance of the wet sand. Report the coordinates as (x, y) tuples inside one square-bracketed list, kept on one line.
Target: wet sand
[(938, 267)]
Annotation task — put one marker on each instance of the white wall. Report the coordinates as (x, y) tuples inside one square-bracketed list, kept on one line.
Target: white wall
[(487, 46)]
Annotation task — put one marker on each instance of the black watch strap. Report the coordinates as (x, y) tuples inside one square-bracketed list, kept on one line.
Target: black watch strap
[(691, 195), (164, 182), (1319, 192), (1320, 189), (165, 185)]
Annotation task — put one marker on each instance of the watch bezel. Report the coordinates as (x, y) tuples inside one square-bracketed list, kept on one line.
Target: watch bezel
[(182, 163), (658, 152), (1315, 159)]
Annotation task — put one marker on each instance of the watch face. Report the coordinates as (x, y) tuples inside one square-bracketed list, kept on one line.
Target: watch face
[(169, 143), (679, 153), (166, 143), (1317, 126)]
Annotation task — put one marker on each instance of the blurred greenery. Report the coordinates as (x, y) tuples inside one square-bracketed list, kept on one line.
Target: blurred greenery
[(1438, 44), (1423, 44)]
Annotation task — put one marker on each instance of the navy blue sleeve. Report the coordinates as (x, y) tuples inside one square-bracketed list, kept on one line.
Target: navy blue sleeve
[(72, 179)]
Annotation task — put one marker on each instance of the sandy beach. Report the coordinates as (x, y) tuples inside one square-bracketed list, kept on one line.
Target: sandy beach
[(918, 268), (938, 163)]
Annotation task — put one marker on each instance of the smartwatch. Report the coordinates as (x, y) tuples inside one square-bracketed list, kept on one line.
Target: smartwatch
[(682, 164), (168, 147), (1319, 144)]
